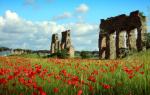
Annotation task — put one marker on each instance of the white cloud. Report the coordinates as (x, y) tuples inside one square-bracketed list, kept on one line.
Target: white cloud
[(83, 8), (65, 15), (77, 13), (84, 35), (11, 15), (16, 32)]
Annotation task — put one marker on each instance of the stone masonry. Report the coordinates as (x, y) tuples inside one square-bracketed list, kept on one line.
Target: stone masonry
[(55, 44), (65, 43), (120, 34)]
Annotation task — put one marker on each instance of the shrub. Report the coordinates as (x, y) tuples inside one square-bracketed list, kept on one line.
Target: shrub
[(60, 54), (85, 54), (148, 40), (63, 54)]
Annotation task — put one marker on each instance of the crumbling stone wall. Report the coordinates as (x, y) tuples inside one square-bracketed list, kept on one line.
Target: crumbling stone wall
[(121, 33), (55, 44), (66, 40), (65, 43)]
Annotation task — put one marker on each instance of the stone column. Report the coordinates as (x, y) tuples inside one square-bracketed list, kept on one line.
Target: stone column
[(117, 44), (139, 40), (133, 39), (128, 40), (52, 48), (107, 46), (122, 39), (112, 46), (100, 45), (54, 43), (59, 47), (66, 43)]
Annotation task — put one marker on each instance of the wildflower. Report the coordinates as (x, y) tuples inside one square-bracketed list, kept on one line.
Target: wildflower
[(10, 77), (20, 94), (95, 72), (55, 90), (106, 64), (3, 80), (57, 77), (63, 72), (34, 85), (21, 80), (142, 73), (128, 71), (90, 87), (106, 86), (50, 74), (34, 93), (75, 78), (69, 82), (80, 92), (92, 78), (42, 93), (131, 76)]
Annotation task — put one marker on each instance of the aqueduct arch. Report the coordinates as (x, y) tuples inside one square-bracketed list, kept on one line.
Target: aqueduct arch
[(120, 33)]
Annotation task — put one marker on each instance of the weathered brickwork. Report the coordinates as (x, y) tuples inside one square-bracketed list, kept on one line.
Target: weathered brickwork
[(121, 33), (65, 43)]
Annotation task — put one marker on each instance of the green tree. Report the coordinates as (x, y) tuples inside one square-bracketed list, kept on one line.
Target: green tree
[(63, 54), (60, 54), (148, 40), (85, 54)]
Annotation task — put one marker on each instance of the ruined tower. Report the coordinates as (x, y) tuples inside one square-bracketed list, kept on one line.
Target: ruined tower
[(121, 34), (55, 44), (65, 43)]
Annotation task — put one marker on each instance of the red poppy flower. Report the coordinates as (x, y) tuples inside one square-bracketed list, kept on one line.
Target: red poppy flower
[(10, 77), (80, 92), (106, 86), (55, 90), (92, 78)]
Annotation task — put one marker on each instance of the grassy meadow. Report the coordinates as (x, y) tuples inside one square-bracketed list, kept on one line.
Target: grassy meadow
[(31, 75)]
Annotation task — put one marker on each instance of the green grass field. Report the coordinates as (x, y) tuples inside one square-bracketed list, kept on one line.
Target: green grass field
[(33, 75)]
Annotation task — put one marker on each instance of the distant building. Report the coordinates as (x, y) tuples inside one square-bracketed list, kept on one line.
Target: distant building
[(20, 51), (42, 52)]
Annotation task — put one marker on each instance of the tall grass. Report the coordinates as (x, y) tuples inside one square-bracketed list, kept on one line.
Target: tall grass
[(129, 76)]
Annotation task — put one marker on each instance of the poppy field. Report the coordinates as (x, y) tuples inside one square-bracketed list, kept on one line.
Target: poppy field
[(51, 76)]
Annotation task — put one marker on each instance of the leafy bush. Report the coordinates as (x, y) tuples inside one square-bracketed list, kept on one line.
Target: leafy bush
[(123, 52), (60, 54), (148, 40), (85, 54), (63, 54)]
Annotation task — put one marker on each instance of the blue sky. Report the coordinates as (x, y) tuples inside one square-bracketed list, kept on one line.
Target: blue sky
[(45, 9), (30, 23)]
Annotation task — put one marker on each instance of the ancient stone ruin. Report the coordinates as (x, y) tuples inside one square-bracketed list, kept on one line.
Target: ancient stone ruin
[(55, 43), (121, 34), (65, 43)]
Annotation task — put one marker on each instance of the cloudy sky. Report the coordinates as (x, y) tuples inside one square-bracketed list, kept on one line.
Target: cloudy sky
[(29, 24)]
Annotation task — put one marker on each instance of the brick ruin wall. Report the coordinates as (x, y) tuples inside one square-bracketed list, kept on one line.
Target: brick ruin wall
[(120, 34), (55, 43), (65, 43)]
